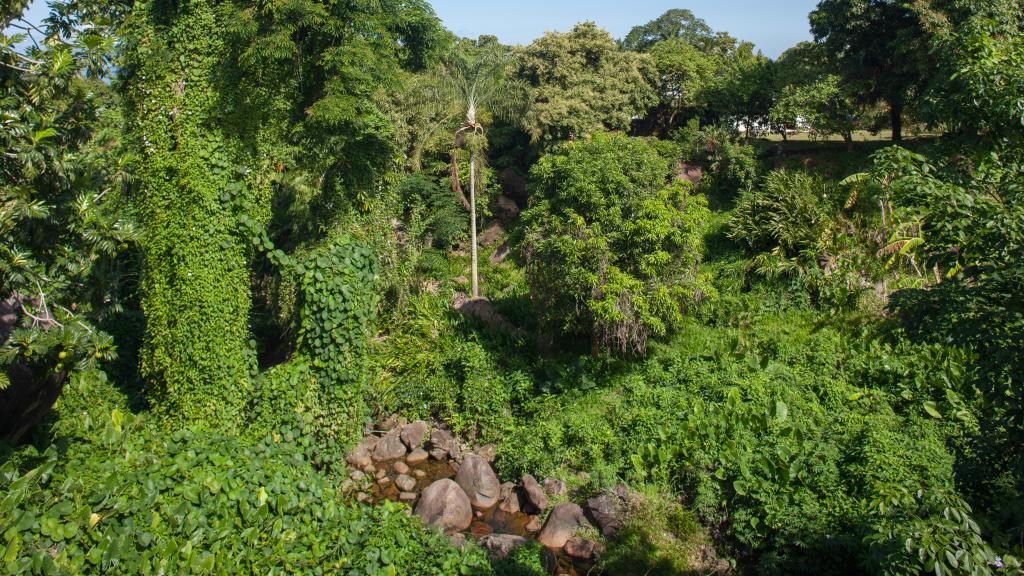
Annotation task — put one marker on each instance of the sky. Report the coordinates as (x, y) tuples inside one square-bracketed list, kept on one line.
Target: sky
[(772, 25)]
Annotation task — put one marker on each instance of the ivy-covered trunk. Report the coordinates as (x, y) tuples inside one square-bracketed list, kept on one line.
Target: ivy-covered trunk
[(195, 285)]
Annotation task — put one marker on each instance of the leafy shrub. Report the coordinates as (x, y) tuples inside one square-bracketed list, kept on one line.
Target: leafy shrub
[(612, 251), (789, 211), (444, 219), (731, 164), (123, 500)]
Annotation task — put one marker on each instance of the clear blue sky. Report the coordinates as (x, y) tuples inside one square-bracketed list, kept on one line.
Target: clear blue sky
[(773, 25)]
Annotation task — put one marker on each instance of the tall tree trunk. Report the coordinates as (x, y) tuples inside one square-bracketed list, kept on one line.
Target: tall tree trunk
[(472, 221), (195, 283), (896, 119)]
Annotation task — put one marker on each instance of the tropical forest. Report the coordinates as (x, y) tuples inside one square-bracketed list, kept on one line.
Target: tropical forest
[(325, 287)]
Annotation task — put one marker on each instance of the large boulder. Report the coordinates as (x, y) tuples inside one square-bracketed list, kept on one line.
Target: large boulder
[(534, 494), (413, 433), (562, 524), (479, 482), (582, 549), (389, 447), (444, 505), (509, 499), (501, 545)]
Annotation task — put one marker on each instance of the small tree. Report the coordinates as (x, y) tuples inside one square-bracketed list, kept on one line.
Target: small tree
[(612, 250), (478, 78)]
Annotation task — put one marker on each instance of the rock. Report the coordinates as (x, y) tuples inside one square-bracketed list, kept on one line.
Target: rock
[(561, 525), (347, 485), (455, 452), (582, 549), (439, 453), (554, 486), (417, 456), (534, 494), (458, 540), (509, 498), (445, 505), (419, 473), (501, 545), (400, 467), (606, 512), (380, 474), (357, 476), (389, 447), (488, 452), (506, 207), (492, 234), (384, 481), (477, 479), (413, 433), (407, 497), (534, 525), (500, 254), (442, 439), (361, 455), (362, 497), (370, 469), (461, 280), (405, 483), (389, 423)]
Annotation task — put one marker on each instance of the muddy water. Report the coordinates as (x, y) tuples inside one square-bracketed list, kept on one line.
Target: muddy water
[(490, 521)]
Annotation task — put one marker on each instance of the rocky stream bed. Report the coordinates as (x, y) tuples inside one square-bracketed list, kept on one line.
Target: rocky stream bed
[(453, 488)]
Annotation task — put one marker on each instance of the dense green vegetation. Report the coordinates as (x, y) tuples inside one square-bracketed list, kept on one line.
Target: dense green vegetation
[(233, 233)]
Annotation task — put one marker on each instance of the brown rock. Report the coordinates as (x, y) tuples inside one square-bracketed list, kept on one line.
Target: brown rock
[(362, 497), (501, 545), (509, 498), (561, 525), (479, 482), (534, 525), (582, 549), (389, 447), (554, 486), (441, 438), (534, 494), (384, 481), (413, 433), (357, 476), (405, 483), (606, 512), (445, 505), (400, 467), (491, 235), (488, 452), (417, 456), (439, 453), (361, 455), (500, 254), (419, 473), (370, 469), (407, 497), (389, 423)]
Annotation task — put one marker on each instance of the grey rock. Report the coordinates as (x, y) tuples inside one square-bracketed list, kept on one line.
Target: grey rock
[(562, 524), (479, 482), (361, 455), (445, 505), (501, 545), (407, 497), (488, 452), (357, 475), (606, 512), (441, 439)]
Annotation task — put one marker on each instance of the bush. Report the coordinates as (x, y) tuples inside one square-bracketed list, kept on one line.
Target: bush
[(612, 251), (125, 499), (789, 211)]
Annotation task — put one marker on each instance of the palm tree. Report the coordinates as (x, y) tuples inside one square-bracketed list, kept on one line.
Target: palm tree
[(478, 78)]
